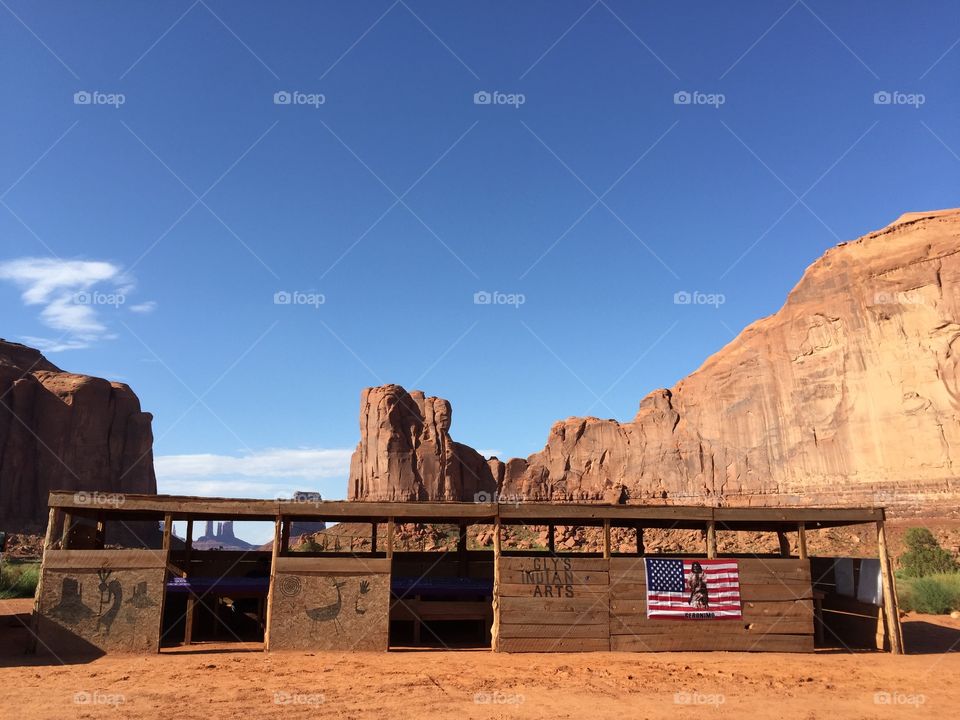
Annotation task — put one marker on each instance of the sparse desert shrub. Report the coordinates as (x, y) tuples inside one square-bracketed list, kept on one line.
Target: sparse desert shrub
[(924, 555), (934, 594), (19, 579)]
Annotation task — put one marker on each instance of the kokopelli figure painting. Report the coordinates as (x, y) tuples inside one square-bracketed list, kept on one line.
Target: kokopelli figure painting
[(111, 595)]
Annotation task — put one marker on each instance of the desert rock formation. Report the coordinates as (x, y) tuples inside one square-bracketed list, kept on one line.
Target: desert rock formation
[(406, 453), (60, 431), (849, 394)]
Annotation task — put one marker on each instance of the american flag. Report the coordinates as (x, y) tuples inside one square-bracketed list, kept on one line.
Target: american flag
[(693, 589)]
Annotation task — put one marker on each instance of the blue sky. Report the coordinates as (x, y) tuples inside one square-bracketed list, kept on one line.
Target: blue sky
[(147, 233)]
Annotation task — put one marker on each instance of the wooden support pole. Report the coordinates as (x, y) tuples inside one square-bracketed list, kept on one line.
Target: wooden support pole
[(641, 550), (390, 533), (65, 537), (551, 539), (711, 539), (606, 539), (802, 540), (890, 605), (277, 540), (47, 545), (784, 544), (285, 536), (167, 536), (373, 537), (462, 569), (495, 629)]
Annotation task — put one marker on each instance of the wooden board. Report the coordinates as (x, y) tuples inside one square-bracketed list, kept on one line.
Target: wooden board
[(344, 565), (662, 643), (98, 610), (106, 559), (535, 630), (317, 611), (554, 577), (633, 625), (543, 562), (558, 644), (541, 590)]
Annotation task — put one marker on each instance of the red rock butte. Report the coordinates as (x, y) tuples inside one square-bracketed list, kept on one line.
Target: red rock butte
[(60, 431), (848, 395)]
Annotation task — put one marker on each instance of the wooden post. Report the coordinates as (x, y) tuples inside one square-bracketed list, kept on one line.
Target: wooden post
[(606, 539), (373, 537), (462, 569), (277, 540), (711, 539), (285, 536), (390, 533), (495, 629), (47, 545), (641, 550), (65, 537), (551, 539), (890, 605), (802, 540), (784, 544), (167, 533)]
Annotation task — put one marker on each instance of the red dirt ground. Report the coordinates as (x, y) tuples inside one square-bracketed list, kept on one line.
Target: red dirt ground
[(219, 683)]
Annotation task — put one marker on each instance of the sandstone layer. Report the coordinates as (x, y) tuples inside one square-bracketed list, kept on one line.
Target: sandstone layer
[(61, 431), (849, 394)]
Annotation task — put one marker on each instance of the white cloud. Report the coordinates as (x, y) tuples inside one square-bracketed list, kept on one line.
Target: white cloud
[(490, 452), (273, 472), (71, 295), (144, 307)]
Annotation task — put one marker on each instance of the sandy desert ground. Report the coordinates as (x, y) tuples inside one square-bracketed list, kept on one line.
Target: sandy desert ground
[(212, 683)]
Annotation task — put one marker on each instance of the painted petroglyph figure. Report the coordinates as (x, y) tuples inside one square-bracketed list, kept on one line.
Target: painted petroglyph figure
[(71, 609), (140, 599), (364, 589), (331, 611), (290, 585), (111, 595)]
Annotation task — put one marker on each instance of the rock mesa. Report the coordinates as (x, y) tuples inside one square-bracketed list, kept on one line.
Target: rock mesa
[(849, 394)]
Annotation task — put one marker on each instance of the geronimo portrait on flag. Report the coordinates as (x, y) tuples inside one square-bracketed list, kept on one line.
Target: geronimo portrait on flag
[(693, 589)]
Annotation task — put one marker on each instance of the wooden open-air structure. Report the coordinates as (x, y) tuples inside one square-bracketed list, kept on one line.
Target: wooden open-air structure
[(167, 593)]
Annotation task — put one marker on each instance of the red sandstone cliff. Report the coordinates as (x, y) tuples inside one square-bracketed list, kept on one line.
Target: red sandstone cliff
[(849, 394), (60, 431)]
